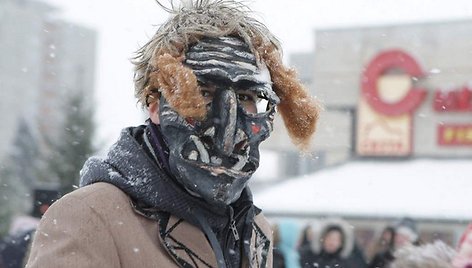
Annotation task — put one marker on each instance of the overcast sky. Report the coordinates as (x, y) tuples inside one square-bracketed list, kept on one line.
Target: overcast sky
[(124, 25)]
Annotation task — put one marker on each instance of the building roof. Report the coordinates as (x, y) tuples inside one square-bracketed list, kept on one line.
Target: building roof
[(427, 189)]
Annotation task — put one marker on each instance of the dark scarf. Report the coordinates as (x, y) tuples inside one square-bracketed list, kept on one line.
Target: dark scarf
[(331, 260), (136, 164)]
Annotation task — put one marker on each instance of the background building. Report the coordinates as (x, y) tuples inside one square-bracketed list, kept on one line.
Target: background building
[(440, 124), (43, 61), (394, 97), (440, 51)]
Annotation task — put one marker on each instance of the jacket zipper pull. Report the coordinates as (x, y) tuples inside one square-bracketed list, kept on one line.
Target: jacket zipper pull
[(234, 230)]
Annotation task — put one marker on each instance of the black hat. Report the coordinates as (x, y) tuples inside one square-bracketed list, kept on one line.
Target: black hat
[(43, 198)]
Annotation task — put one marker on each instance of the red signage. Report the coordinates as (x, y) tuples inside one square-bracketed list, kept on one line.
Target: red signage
[(450, 135), (391, 59), (384, 126), (387, 147), (459, 100)]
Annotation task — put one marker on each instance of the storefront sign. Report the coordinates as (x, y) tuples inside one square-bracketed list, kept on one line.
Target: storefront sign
[(458, 100), (381, 135), (387, 102), (392, 59), (455, 135)]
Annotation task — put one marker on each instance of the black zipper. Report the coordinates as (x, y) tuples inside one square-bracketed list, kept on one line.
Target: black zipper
[(233, 230)]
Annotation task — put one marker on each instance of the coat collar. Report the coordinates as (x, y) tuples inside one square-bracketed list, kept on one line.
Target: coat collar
[(188, 246)]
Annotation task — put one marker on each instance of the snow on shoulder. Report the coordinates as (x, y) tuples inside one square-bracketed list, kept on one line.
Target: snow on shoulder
[(428, 189)]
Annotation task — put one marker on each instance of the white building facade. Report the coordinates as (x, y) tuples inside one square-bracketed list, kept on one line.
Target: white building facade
[(42, 60), (400, 91)]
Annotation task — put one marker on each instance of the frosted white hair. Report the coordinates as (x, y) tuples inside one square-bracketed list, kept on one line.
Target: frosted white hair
[(159, 63), (435, 255), (191, 20)]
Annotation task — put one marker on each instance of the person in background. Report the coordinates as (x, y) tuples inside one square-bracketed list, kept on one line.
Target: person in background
[(174, 191), (463, 259), (433, 255), (383, 249), (278, 256), (2, 265), (334, 247), (305, 238), (357, 257), (289, 232), (406, 233), (14, 247), (308, 251)]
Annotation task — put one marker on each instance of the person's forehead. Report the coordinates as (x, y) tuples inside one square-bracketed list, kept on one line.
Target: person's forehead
[(226, 59)]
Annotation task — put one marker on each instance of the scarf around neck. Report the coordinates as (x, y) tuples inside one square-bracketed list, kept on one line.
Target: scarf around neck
[(140, 172)]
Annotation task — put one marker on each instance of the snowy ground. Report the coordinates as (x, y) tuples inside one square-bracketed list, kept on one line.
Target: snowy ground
[(429, 189)]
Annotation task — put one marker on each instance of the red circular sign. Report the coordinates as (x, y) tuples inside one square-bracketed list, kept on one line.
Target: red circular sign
[(382, 62)]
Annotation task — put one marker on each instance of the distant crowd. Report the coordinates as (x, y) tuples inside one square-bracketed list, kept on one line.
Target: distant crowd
[(15, 245), (330, 243)]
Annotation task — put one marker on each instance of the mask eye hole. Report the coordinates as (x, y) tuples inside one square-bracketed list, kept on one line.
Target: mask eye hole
[(207, 94), (262, 104), (247, 100), (207, 91), (247, 96), (251, 99), (252, 102)]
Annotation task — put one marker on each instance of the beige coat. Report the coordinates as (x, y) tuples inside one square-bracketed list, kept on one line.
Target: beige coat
[(96, 226)]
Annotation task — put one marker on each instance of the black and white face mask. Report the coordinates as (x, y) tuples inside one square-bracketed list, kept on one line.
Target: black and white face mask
[(214, 159)]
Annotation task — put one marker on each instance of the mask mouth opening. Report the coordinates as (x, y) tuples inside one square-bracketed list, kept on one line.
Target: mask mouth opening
[(201, 151)]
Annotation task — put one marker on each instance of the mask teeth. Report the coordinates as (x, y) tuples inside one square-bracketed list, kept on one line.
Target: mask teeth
[(244, 146), (216, 160), (240, 164), (193, 156), (210, 132), (201, 149), (240, 136)]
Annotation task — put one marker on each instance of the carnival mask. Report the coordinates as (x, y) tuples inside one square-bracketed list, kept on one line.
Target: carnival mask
[(214, 158)]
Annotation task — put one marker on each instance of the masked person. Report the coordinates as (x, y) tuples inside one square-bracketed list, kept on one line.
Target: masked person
[(173, 192)]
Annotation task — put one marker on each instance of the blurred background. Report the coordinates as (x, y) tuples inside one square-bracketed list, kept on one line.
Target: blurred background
[(394, 142)]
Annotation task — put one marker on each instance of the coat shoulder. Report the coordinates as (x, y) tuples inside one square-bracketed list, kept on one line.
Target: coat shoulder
[(99, 190), (97, 196), (75, 233), (105, 200)]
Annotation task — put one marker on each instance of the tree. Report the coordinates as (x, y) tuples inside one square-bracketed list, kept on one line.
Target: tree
[(25, 154), (20, 170), (74, 145), (58, 160), (8, 188)]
